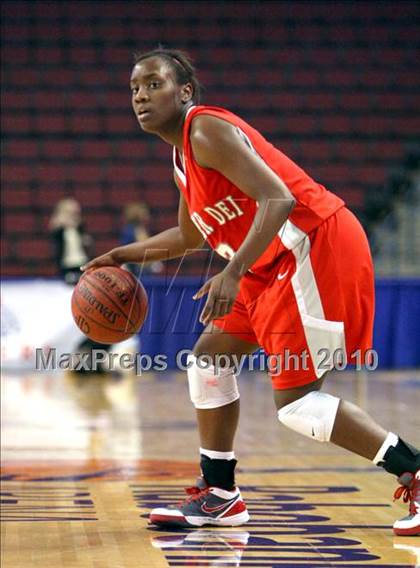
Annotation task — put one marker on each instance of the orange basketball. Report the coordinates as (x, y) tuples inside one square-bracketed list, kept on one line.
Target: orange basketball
[(109, 304)]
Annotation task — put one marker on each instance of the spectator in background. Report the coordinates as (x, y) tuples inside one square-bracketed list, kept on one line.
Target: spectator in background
[(136, 229), (73, 245)]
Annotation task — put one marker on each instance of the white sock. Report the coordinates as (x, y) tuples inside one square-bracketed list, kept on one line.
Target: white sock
[(214, 455), (390, 440)]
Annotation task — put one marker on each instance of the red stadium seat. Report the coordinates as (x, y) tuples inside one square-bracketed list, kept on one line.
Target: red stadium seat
[(51, 173), (319, 102), (11, 31), (47, 195), (386, 150), (18, 268), (300, 124), (350, 102), (113, 30), (59, 149), (104, 243), (48, 55), (49, 100), (59, 77), (123, 173), (19, 223), (16, 123), (120, 123), (120, 99), (85, 100), (137, 149), (17, 198), (47, 123), (119, 195), (167, 219), (95, 78), (352, 150), (21, 173), (373, 174), (407, 79), (99, 222), (13, 100), (117, 55), (83, 55), (90, 195), (353, 197), (336, 124), (35, 249), (82, 123), (317, 150), (21, 149), (90, 172), (95, 149), (151, 173)]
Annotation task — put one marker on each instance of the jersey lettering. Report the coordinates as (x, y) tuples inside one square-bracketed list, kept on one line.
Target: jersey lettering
[(220, 212), (221, 205), (234, 205), (204, 229), (215, 214)]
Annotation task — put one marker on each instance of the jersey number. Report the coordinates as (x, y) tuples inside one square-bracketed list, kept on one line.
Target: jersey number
[(225, 250)]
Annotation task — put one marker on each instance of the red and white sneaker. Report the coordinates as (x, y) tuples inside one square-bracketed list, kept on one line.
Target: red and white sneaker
[(409, 490), (204, 506)]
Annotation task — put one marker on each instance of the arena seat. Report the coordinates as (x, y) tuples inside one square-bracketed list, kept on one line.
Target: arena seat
[(95, 150), (17, 198), (50, 123), (21, 149)]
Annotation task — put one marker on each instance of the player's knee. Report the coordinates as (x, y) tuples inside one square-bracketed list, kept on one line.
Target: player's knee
[(312, 415), (210, 387)]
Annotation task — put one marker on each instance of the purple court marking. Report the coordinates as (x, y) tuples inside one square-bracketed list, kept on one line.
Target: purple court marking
[(278, 563), (309, 469), (69, 506), (48, 488), (80, 477), (43, 519), (349, 555)]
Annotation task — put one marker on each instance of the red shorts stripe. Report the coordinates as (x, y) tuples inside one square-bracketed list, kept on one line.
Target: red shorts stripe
[(318, 299)]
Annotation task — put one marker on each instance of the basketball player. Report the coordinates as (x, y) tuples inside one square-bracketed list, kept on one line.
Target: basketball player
[(299, 277)]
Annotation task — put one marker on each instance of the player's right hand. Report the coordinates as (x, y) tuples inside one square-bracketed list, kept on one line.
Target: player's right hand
[(107, 259)]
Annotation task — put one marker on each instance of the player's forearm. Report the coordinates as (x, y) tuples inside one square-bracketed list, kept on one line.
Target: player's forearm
[(270, 217), (163, 246)]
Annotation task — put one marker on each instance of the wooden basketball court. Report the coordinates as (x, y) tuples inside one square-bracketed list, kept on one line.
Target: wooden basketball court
[(85, 458)]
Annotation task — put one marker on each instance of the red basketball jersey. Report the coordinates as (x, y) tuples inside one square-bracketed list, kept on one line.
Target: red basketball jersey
[(224, 214)]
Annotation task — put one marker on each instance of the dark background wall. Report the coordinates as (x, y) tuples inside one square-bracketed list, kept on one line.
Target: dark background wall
[(334, 85)]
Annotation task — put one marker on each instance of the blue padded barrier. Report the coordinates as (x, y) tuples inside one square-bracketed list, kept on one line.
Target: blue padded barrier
[(172, 324)]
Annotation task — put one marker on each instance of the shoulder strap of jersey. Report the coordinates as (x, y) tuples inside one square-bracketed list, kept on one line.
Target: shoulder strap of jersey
[(203, 109)]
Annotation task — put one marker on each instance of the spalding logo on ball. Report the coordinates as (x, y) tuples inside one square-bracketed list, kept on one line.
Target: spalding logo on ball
[(109, 304)]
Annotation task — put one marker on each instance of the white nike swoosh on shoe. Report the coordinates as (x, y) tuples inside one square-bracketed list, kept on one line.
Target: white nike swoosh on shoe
[(206, 509)]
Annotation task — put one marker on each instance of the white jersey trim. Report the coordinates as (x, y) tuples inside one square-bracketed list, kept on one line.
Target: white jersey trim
[(175, 154), (179, 173)]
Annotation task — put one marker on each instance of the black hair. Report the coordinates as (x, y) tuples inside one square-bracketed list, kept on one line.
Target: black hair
[(181, 65)]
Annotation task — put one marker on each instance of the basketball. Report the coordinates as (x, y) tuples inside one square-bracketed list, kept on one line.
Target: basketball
[(109, 304)]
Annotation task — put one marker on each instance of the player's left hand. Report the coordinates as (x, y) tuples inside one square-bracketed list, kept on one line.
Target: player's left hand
[(221, 292)]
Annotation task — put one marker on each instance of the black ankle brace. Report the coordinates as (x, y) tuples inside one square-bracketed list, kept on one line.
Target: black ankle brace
[(218, 473), (401, 458)]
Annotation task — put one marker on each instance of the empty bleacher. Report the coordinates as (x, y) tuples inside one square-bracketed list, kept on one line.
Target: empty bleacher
[(335, 85)]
